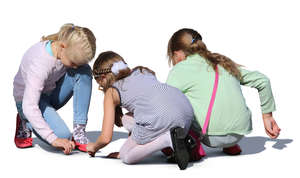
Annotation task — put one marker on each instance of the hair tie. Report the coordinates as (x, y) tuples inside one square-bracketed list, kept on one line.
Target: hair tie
[(193, 40), (117, 66), (198, 37)]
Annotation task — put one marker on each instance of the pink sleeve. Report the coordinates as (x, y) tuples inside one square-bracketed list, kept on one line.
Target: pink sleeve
[(33, 88)]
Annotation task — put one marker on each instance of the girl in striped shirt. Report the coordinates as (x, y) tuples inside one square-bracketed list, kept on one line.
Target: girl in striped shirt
[(162, 115)]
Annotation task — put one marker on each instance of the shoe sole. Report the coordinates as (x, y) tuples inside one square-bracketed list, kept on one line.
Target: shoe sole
[(23, 142), (180, 149), (232, 151)]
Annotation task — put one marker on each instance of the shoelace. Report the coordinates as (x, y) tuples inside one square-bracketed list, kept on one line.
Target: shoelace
[(24, 140), (28, 141)]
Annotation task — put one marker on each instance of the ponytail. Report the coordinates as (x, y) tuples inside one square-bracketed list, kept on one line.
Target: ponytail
[(190, 42)]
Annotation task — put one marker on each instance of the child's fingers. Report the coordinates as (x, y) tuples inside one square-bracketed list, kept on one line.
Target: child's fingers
[(114, 155), (275, 128), (91, 154), (271, 128), (270, 132), (68, 147), (72, 144), (67, 150), (268, 127)]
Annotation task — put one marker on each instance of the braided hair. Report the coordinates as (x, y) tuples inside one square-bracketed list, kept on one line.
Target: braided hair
[(190, 42)]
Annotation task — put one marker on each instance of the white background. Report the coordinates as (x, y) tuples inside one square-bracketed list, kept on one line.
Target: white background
[(261, 35)]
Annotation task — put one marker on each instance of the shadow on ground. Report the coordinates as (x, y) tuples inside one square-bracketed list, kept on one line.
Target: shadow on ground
[(252, 145), (92, 135), (249, 145)]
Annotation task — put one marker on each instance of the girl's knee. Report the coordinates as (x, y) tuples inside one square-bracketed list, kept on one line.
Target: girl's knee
[(63, 134), (84, 70), (127, 159)]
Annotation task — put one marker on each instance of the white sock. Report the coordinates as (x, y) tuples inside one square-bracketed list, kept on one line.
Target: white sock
[(79, 134)]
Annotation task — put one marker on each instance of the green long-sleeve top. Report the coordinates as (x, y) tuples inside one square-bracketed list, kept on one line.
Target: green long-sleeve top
[(230, 114)]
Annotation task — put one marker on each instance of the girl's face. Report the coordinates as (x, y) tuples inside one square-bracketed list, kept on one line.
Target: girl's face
[(101, 81), (66, 60), (61, 53)]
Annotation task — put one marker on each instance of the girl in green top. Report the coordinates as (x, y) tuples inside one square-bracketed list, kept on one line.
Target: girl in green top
[(193, 73)]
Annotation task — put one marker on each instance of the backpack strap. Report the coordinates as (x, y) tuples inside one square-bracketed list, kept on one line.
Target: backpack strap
[(211, 103)]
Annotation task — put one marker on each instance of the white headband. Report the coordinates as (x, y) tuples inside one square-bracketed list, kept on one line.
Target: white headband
[(117, 66)]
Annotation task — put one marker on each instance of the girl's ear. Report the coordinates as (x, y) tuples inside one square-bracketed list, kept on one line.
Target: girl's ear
[(178, 56), (102, 76), (62, 45)]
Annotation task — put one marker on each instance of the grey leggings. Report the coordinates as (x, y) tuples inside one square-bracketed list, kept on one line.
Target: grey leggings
[(131, 152), (221, 141), (217, 141)]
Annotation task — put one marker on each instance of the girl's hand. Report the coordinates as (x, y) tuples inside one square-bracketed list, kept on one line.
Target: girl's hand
[(114, 155), (66, 145), (91, 149), (271, 126)]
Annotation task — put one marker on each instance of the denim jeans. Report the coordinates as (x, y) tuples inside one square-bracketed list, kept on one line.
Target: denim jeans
[(76, 83)]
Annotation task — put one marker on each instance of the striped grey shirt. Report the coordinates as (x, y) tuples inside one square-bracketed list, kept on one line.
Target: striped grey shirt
[(157, 107)]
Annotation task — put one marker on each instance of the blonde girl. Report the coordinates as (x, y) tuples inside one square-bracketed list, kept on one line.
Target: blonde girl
[(51, 72)]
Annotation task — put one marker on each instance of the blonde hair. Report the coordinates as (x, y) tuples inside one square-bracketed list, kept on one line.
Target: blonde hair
[(103, 65), (80, 41), (190, 42)]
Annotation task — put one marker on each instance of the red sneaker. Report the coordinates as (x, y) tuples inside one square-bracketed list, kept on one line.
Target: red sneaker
[(80, 147), (22, 142), (234, 150)]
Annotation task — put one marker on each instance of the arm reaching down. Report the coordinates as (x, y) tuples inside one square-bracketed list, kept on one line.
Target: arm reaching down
[(111, 100), (261, 82)]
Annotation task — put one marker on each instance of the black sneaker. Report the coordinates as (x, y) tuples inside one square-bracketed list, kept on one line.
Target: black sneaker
[(181, 154), (191, 145), (191, 142)]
